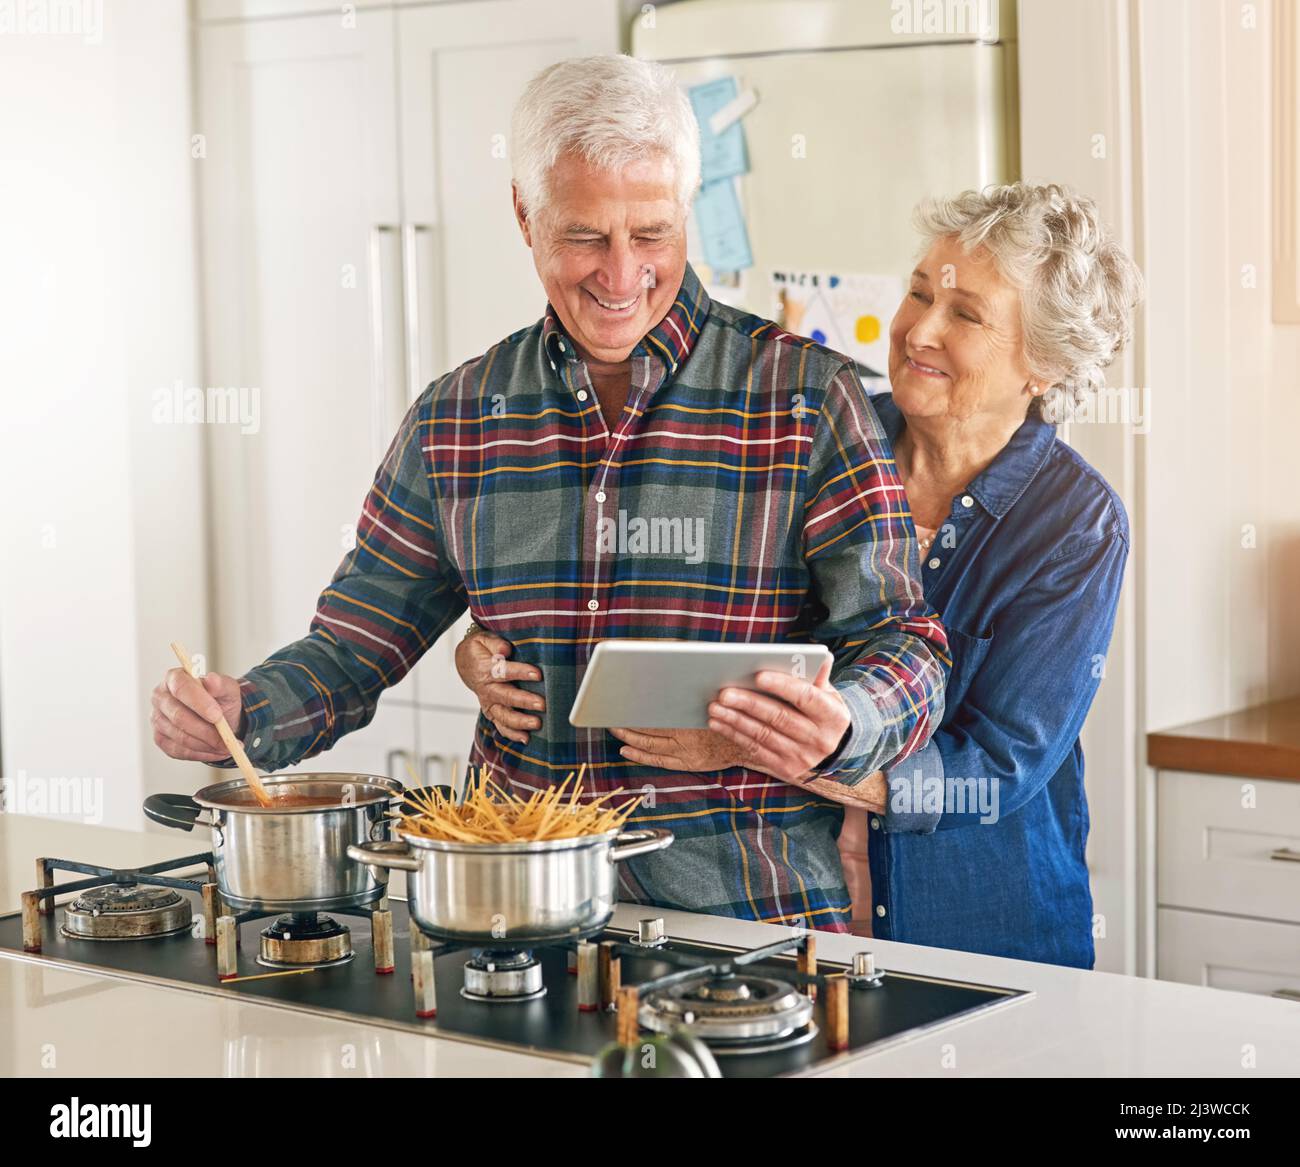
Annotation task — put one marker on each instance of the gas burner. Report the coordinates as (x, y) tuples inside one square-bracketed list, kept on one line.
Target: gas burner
[(305, 940), (501, 976), (740, 1013), (126, 912)]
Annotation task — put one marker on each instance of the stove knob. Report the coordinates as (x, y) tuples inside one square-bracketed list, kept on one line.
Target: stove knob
[(863, 973), (650, 932)]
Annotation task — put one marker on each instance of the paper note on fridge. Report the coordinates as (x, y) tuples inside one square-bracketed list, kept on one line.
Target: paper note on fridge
[(849, 312), (721, 155), (723, 235)]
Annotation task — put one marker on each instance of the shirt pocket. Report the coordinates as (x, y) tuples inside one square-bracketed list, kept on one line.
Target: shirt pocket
[(968, 653)]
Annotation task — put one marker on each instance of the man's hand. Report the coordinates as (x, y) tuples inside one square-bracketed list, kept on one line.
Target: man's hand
[(788, 728), (482, 665), (679, 749), (185, 713)]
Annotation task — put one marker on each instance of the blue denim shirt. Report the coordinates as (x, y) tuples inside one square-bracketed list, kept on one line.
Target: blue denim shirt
[(982, 844)]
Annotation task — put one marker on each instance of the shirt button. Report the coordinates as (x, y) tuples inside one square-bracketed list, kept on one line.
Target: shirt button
[(257, 741), (967, 501), (875, 823), (600, 496), (582, 395), (933, 563), (880, 909), (592, 605)]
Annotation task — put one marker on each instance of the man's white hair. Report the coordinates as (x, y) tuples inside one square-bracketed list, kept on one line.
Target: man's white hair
[(1078, 287), (612, 111)]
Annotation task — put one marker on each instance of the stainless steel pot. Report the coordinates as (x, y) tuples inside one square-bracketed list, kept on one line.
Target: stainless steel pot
[(511, 893), (289, 858)]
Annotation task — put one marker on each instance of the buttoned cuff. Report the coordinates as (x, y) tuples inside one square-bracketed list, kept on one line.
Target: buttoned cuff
[(848, 764), (916, 791), (259, 720)]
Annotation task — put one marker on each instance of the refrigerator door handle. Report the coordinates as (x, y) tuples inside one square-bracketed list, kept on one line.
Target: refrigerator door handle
[(382, 381), (411, 233)]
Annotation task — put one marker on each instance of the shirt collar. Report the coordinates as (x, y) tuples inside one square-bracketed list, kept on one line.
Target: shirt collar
[(671, 340), (1008, 476)]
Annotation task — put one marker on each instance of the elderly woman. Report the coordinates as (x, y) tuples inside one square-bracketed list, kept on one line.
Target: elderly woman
[(1018, 302)]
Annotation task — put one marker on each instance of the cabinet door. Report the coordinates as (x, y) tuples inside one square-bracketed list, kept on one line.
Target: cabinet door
[(303, 283), (470, 277), (445, 739), (1229, 952), (386, 747)]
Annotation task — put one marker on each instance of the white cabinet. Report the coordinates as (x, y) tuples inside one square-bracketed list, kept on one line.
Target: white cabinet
[(387, 747), (470, 276), (1229, 952), (1228, 882), (358, 240), (299, 183)]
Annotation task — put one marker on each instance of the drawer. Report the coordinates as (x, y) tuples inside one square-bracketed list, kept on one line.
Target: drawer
[(1228, 952), (1218, 853)]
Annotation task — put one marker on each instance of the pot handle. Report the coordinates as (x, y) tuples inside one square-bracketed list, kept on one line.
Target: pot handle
[(175, 810), (630, 844), (387, 854)]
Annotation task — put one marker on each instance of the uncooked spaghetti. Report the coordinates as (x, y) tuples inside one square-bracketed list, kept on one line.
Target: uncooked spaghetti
[(488, 814)]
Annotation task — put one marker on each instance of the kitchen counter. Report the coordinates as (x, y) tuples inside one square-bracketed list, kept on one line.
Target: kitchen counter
[(1260, 742), (61, 1022)]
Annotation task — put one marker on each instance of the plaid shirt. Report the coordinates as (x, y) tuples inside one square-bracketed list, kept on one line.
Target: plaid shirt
[(772, 512)]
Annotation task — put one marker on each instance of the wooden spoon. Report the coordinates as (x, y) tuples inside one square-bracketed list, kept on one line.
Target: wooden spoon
[(228, 736)]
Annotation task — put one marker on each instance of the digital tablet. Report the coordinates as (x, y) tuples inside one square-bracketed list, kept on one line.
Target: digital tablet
[(668, 684)]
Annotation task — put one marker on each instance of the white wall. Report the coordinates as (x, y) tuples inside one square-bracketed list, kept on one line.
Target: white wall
[(1222, 629), (103, 540)]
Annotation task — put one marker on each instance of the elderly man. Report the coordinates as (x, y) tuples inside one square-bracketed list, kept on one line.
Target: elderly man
[(634, 395)]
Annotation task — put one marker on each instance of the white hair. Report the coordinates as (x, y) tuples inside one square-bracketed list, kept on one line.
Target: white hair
[(1078, 287), (612, 111)]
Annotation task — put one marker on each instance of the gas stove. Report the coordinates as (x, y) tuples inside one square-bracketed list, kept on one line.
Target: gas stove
[(709, 1009)]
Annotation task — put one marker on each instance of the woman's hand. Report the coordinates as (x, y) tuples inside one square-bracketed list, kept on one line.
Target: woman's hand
[(788, 728), (481, 661), (688, 750)]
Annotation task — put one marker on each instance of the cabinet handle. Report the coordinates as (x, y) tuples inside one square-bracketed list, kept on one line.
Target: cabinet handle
[(411, 296), (390, 766), (382, 423), (1286, 854), (444, 779), (1287, 994)]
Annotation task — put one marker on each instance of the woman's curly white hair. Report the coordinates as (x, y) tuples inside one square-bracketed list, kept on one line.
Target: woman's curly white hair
[(1078, 287)]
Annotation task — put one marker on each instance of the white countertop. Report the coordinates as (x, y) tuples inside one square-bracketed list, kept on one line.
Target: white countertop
[(59, 1022)]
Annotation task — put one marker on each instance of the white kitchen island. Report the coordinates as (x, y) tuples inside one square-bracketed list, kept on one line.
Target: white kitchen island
[(58, 1021)]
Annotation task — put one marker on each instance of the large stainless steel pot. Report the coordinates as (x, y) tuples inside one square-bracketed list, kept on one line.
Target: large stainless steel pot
[(289, 858), (511, 893)]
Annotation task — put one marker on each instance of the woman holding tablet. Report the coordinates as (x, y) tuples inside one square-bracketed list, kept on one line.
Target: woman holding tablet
[(977, 841)]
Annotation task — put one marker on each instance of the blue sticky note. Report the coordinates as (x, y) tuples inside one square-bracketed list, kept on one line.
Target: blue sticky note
[(723, 235), (721, 155)]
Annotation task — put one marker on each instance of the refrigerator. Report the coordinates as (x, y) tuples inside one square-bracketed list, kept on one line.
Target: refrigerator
[(849, 112)]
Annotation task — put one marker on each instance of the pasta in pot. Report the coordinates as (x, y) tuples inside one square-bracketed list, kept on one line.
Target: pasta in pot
[(487, 814)]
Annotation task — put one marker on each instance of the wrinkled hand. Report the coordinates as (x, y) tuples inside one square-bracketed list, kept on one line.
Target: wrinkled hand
[(483, 664), (787, 728), (679, 749), (185, 714)]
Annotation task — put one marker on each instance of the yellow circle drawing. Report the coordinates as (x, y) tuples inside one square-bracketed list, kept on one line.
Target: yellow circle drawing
[(867, 329)]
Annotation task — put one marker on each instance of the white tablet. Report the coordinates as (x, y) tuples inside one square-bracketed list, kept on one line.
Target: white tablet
[(668, 684)]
